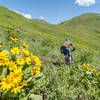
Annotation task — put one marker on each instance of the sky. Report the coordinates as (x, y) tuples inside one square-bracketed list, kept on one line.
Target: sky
[(52, 11)]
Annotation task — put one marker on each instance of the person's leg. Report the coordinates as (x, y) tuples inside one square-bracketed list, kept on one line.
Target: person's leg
[(70, 60), (69, 54), (65, 53), (64, 60)]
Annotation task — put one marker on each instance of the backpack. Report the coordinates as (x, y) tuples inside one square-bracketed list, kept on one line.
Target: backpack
[(62, 49)]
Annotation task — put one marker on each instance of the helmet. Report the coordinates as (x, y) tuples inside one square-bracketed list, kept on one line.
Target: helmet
[(67, 39)]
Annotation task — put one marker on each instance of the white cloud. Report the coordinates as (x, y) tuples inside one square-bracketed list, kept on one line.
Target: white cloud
[(17, 12), (27, 16), (85, 2), (23, 14), (42, 17)]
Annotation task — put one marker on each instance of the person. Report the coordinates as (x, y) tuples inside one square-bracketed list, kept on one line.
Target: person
[(66, 45)]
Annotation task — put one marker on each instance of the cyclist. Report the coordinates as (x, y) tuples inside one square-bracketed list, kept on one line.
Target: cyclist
[(66, 48)]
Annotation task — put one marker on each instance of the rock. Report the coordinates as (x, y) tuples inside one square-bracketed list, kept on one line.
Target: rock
[(35, 97)]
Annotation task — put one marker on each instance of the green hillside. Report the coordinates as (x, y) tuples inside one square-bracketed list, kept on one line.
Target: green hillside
[(86, 27), (45, 40), (83, 30)]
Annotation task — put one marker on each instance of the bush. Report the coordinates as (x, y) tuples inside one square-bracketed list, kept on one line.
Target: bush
[(71, 83)]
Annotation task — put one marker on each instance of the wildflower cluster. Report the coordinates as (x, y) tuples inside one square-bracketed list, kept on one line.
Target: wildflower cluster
[(91, 68), (14, 61), (12, 81), (44, 35), (35, 70)]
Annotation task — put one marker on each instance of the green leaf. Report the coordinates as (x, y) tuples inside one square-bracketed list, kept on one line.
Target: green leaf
[(4, 72), (1, 69)]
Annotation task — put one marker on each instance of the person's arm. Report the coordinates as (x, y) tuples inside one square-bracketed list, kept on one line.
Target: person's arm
[(73, 46)]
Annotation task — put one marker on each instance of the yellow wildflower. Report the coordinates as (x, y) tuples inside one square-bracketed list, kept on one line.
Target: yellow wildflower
[(18, 70), (32, 56), (25, 45), (20, 61), (12, 65), (33, 70), (37, 71), (97, 67), (92, 69), (28, 60), (16, 88), (4, 59), (15, 50), (6, 83), (14, 39), (37, 62), (26, 52), (0, 46), (97, 74), (16, 75), (87, 68), (83, 65), (88, 64), (24, 83)]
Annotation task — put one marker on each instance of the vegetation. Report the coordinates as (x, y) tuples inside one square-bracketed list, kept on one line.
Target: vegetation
[(56, 81)]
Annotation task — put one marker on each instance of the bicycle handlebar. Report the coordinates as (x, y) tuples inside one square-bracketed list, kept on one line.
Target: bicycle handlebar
[(73, 50)]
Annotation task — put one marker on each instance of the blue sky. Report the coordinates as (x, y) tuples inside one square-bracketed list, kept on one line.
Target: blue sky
[(53, 11)]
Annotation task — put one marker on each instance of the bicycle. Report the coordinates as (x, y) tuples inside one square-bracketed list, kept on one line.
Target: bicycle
[(66, 59)]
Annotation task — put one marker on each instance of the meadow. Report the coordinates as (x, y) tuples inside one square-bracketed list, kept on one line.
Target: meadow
[(30, 53)]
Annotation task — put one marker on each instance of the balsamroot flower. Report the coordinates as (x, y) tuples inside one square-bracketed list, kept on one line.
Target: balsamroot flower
[(0, 46), (12, 65), (36, 60), (16, 88), (14, 39), (15, 50), (21, 61), (4, 59), (26, 52), (28, 60), (35, 70), (6, 83), (25, 45), (24, 83)]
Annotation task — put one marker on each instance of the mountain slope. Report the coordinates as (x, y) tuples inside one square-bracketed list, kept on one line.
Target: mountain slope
[(45, 38), (85, 27)]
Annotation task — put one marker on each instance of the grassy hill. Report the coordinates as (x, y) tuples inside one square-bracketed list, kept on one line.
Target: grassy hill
[(86, 27), (85, 30), (45, 40)]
